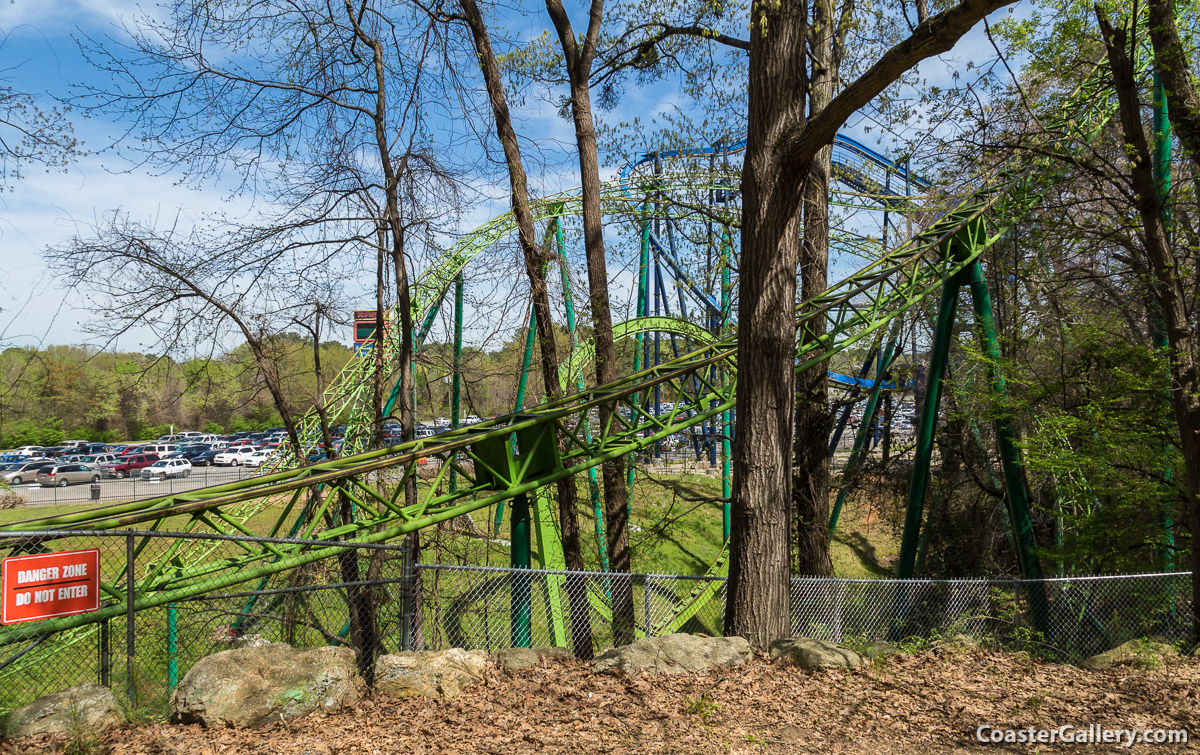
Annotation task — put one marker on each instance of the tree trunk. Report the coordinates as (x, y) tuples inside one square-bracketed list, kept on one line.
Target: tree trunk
[(616, 502), (758, 602), (535, 269), (1168, 269)]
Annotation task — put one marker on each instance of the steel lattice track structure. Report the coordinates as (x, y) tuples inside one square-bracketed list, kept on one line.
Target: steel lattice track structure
[(491, 468)]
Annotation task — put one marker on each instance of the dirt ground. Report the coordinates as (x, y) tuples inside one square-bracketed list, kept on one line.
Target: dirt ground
[(929, 702)]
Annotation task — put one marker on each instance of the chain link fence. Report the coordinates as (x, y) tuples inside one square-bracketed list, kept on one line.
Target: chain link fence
[(142, 654), (375, 597)]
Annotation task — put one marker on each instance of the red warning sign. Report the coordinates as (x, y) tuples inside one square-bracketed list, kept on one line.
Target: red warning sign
[(50, 584)]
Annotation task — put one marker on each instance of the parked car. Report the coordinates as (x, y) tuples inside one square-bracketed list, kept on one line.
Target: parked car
[(162, 449), (205, 459), (25, 471), (189, 452), (28, 450), (86, 459), (106, 458), (164, 468), (233, 456), (257, 458), (62, 475), (128, 465)]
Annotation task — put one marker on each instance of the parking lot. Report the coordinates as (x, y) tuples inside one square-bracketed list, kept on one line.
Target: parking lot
[(131, 488)]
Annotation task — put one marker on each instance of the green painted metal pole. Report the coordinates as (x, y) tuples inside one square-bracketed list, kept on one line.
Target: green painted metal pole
[(519, 402), (1010, 456), (640, 345), (864, 427), (726, 419), (943, 334), (1162, 181), (172, 647), (568, 296), (526, 360), (456, 378), (519, 527)]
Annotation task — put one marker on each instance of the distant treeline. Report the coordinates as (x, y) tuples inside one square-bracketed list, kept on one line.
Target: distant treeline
[(80, 392)]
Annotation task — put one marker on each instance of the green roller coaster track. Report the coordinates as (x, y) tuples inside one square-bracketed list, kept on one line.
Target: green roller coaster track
[(518, 454)]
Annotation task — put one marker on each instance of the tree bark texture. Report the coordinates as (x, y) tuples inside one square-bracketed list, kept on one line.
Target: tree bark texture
[(1169, 272), (536, 262), (758, 602), (810, 491), (579, 60)]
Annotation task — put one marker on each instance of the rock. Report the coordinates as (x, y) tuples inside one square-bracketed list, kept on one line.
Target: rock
[(430, 673), (879, 649), (814, 655), (87, 708), (514, 659), (253, 686), (1133, 653), (675, 654), (960, 642)]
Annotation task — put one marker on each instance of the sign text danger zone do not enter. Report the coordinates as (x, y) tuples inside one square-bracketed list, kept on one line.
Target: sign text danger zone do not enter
[(46, 585)]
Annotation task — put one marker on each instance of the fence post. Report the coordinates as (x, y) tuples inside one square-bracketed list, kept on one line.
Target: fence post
[(172, 648), (130, 691), (406, 597), (104, 654), (646, 603)]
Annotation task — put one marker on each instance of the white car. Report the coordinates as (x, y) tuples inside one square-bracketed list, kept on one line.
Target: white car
[(164, 468), (258, 457), (233, 456)]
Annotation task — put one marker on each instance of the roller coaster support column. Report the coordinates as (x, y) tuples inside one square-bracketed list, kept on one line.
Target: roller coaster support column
[(1010, 457), (860, 437), (519, 596), (456, 378), (1162, 180), (943, 333), (726, 424), (519, 402), (641, 350)]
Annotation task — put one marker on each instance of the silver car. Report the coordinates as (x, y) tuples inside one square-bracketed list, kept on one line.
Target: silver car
[(63, 475), (24, 471)]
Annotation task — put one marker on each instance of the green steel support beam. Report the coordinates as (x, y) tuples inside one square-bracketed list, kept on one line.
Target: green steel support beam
[(726, 420), (1162, 181), (456, 378), (519, 402), (550, 556), (640, 357), (943, 334), (1010, 456)]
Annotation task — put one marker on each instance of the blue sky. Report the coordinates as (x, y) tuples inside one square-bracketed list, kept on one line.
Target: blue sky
[(45, 209)]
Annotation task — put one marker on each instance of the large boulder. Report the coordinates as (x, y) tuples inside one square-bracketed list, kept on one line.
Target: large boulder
[(430, 673), (815, 655), (1146, 653), (675, 654), (89, 708), (252, 686), (515, 659)]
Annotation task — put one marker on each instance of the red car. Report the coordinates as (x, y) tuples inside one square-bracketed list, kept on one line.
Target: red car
[(127, 465)]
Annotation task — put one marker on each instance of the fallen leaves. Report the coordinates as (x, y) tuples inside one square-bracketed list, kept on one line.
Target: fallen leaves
[(929, 702)]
